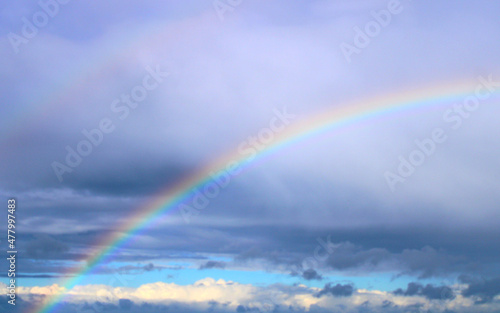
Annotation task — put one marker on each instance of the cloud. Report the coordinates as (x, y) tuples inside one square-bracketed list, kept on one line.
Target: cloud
[(483, 290), (311, 274), (202, 294), (425, 262), (337, 290), (45, 247), (429, 291), (212, 264), (242, 309), (125, 304), (134, 269), (373, 250), (208, 295)]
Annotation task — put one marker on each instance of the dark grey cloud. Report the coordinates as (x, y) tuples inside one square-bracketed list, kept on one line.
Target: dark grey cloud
[(348, 255), (311, 274), (125, 304), (337, 290), (368, 250), (242, 309), (432, 253), (429, 291), (45, 247), (134, 269), (425, 262), (483, 290), (212, 264)]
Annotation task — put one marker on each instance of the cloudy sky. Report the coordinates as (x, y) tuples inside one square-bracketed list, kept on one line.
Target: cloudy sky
[(108, 107)]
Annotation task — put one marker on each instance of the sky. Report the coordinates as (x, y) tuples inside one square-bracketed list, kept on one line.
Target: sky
[(110, 109)]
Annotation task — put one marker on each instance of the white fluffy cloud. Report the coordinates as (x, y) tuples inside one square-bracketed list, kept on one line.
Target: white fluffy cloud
[(234, 296)]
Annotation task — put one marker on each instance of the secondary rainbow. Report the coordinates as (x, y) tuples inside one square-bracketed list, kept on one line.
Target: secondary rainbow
[(337, 117), (68, 84)]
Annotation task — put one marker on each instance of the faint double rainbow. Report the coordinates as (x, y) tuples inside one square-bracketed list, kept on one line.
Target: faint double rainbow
[(337, 117)]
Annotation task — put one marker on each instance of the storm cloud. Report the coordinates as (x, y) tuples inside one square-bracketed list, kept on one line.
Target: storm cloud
[(90, 92)]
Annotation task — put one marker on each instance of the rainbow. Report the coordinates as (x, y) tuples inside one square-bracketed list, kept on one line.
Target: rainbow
[(335, 118)]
